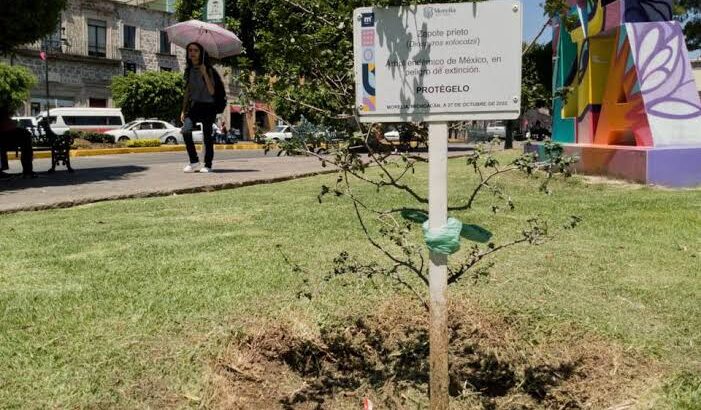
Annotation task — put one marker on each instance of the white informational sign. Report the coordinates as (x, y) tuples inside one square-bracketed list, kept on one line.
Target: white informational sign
[(439, 62), (215, 11)]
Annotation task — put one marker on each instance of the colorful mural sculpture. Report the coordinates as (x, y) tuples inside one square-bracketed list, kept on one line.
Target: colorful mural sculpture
[(630, 91)]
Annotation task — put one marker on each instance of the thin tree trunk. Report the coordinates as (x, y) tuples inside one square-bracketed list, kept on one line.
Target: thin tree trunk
[(509, 138)]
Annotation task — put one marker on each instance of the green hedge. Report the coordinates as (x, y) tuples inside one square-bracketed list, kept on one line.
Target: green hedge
[(143, 143), (94, 137)]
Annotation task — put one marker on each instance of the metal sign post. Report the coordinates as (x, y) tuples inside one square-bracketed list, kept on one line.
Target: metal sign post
[(437, 63), (438, 268)]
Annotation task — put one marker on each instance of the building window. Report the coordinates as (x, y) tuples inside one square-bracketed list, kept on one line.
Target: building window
[(165, 44), (35, 109), (97, 38), (129, 37), (98, 102), (166, 69), (39, 103), (129, 68)]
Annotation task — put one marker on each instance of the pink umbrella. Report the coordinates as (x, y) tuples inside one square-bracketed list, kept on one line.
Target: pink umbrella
[(218, 42)]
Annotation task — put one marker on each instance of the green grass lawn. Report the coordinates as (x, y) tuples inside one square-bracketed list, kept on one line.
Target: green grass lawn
[(122, 304)]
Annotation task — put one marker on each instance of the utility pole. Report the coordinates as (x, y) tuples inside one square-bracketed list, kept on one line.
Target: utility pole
[(49, 45)]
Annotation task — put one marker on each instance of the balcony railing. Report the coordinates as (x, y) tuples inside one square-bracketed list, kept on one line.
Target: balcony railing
[(110, 51)]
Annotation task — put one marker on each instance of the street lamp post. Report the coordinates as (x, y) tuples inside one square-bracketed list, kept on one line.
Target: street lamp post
[(51, 44), (46, 81)]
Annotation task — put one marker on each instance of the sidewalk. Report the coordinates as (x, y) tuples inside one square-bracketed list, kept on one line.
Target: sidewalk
[(132, 176), (62, 190)]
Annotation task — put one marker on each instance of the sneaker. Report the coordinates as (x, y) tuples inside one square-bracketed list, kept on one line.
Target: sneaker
[(189, 168), (205, 170)]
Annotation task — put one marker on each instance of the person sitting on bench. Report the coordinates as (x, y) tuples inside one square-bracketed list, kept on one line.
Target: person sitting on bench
[(13, 138)]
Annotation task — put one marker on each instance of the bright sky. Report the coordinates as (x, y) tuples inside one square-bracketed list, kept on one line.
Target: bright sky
[(533, 21)]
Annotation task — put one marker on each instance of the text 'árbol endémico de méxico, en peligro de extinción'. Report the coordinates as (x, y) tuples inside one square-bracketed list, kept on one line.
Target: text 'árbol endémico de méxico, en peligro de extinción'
[(459, 64)]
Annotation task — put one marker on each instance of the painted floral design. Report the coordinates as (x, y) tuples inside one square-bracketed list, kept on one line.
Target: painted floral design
[(664, 70)]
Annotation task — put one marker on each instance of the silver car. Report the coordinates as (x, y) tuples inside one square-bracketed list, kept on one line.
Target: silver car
[(147, 129)]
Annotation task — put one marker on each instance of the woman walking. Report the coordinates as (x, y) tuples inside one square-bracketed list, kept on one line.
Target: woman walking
[(203, 92)]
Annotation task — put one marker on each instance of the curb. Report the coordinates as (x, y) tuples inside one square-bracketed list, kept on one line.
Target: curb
[(140, 150), (172, 192)]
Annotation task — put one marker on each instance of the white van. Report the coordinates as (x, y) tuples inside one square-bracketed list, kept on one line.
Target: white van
[(28, 123), (84, 119)]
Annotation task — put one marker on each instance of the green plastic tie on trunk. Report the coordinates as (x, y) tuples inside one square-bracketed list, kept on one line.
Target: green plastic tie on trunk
[(444, 240)]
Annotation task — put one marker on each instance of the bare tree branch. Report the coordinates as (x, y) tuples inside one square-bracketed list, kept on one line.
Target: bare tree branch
[(311, 13), (533, 42), (484, 182), (408, 265)]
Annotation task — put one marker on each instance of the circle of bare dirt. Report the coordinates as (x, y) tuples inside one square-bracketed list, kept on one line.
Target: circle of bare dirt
[(383, 358)]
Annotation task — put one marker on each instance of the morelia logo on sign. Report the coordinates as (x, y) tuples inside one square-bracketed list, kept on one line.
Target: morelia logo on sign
[(433, 11), (367, 20)]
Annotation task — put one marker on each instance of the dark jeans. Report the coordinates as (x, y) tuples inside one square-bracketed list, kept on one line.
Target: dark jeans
[(204, 113), (17, 139)]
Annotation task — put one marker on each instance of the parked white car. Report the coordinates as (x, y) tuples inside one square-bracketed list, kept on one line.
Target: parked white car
[(198, 136), (497, 129), (392, 136), (280, 133), (147, 129), (25, 122)]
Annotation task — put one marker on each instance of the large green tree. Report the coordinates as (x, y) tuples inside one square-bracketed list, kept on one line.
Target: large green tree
[(15, 83), (536, 77), (25, 21), (150, 94), (689, 12)]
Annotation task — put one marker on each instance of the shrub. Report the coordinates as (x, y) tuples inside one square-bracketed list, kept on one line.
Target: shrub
[(15, 83), (80, 144), (143, 143), (94, 137)]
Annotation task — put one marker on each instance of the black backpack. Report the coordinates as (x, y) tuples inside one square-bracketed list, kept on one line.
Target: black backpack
[(220, 102), (219, 92)]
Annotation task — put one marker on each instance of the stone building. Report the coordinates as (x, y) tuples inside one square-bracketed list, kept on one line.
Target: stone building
[(95, 41)]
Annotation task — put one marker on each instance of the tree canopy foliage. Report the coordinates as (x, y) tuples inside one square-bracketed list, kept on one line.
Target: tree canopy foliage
[(536, 77), (149, 94), (689, 12), (26, 21), (15, 83)]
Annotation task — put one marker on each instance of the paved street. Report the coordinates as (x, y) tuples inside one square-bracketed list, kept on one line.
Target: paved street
[(142, 175)]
